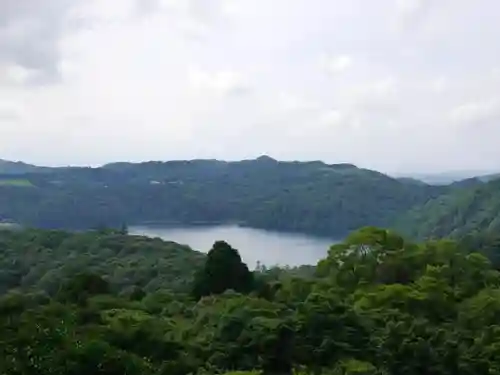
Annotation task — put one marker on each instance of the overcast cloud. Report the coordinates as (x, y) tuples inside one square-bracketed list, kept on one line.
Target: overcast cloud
[(394, 85)]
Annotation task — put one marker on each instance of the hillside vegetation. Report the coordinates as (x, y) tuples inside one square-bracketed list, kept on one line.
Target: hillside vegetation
[(467, 210), (309, 197), (376, 305), (42, 260), (15, 168)]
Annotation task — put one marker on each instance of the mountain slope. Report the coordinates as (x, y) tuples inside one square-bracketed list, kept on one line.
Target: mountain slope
[(43, 259), (108, 304), (310, 197), (446, 178), (468, 209), (16, 168)]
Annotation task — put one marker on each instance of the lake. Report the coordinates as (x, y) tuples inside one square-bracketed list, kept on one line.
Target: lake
[(254, 245)]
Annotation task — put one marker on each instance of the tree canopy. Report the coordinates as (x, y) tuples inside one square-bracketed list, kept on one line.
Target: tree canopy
[(223, 270), (309, 197), (470, 209), (376, 305)]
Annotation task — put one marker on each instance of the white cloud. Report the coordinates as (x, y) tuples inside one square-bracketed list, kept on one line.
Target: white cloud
[(331, 118), (9, 112), (194, 18), (30, 32), (411, 12), (163, 79), (11, 74), (336, 64), (290, 102), (439, 85), (384, 86), (495, 73), (411, 6), (373, 96), (222, 83), (476, 112)]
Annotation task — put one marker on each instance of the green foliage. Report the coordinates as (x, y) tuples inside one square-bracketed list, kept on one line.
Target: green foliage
[(376, 305), (486, 243), (18, 168), (464, 211), (82, 286), (15, 182), (311, 197), (45, 260), (223, 270)]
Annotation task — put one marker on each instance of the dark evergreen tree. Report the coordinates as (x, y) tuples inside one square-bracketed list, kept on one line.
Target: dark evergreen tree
[(223, 270), (82, 286)]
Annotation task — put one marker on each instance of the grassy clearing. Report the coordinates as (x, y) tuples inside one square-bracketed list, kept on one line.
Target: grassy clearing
[(16, 182)]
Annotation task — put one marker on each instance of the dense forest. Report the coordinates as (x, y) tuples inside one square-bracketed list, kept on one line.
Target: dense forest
[(471, 208), (309, 197), (377, 304), (40, 260)]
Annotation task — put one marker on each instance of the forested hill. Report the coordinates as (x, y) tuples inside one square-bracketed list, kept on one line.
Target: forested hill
[(11, 167), (468, 209), (139, 306), (310, 197), (42, 260)]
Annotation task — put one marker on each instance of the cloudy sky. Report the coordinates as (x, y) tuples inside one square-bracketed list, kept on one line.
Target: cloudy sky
[(395, 85)]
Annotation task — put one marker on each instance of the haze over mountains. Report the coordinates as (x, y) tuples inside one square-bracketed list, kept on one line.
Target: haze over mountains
[(449, 177), (10, 167), (442, 178)]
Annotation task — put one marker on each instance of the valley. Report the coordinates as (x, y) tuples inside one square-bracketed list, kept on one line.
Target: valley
[(305, 197), (259, 266)]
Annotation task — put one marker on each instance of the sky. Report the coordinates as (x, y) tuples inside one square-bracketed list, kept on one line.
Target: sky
[(392, 85)]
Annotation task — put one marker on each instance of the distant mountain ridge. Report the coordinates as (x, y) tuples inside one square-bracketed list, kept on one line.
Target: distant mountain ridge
[(311, 197), (446, 178), (11, 167), (439, 178)]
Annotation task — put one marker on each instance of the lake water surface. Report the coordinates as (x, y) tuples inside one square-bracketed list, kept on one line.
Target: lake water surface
[(268, 247)]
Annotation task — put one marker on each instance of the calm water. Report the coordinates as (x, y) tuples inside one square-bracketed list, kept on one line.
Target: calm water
[(268, 247)]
